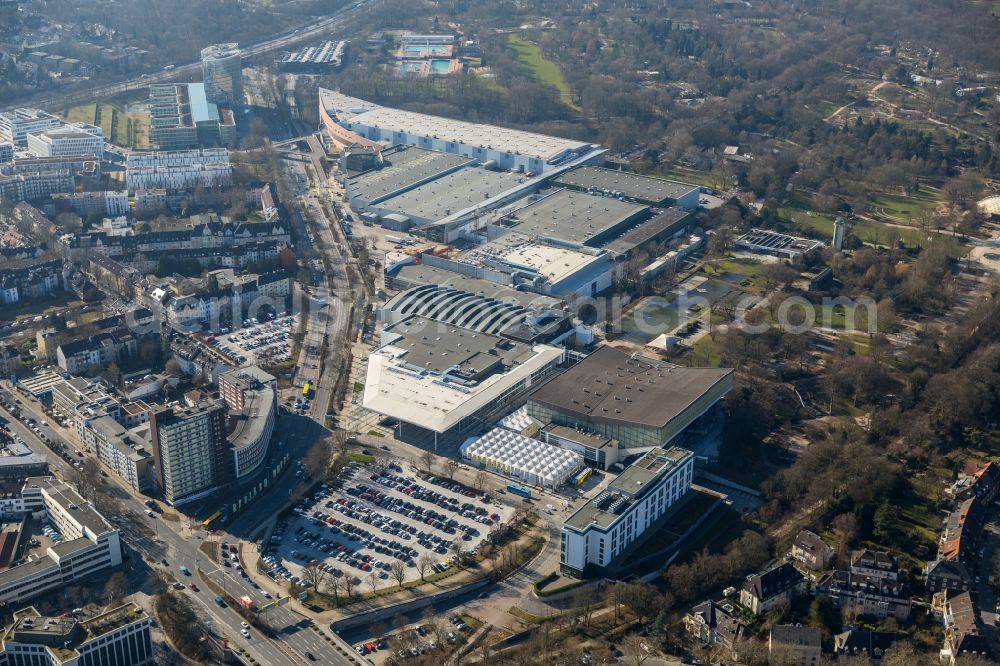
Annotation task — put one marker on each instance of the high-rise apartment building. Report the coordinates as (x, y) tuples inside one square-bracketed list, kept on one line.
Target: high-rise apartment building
[(190, 451), (222, 73)]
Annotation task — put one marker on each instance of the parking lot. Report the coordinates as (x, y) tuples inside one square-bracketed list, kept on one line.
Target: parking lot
[(263, 343), (381, 517)]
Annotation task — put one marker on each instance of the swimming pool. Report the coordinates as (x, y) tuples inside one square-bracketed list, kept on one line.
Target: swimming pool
[(440, 66)]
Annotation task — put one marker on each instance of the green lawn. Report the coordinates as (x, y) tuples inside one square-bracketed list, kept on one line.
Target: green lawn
[(900, 207), (540, 67), (80, 114), (705, 352), (692, 177), (135, 123)]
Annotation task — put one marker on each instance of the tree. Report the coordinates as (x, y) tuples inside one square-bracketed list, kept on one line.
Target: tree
[(882, 523), (334, 584), (641, 599), (613, 596), (116, 587), (314, 574), (635, 651), (424, 563), (427, 458), (845, 530), (823, 615), (349, 583), (450, 469), (317, 460), (87, 478), (479, 480), (397, 569), (372, 580), (456, 549)]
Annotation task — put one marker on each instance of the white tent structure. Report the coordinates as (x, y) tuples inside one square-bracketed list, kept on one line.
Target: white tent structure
[(522, 458)]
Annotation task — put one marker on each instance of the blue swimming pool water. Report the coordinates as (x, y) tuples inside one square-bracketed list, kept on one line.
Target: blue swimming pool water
[(440, 66)]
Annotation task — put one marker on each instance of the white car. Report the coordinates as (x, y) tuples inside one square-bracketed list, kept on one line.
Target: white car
[(245, 625), (246, 634)]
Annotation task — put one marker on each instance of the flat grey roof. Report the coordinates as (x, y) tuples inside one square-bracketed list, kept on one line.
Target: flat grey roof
[(615, 386), (67, 547), (631, 185), (404, 168), (574, 216), (435, 346), (251, 420), (646, 231), (609, 506), (64, 495), (451, 193), (15, 574), (588, 438), (420, 274)]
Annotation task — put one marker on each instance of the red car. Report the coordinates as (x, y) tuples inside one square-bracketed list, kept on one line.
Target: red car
[(194, 588)]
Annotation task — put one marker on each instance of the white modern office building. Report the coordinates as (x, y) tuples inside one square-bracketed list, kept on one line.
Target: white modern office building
[(17, 124), (605, 527), (64, 142), (89, 544)]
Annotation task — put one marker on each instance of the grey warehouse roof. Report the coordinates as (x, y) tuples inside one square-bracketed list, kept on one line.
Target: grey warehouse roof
[(631, 185), (574, 216), (451, 193), (405, 168), (613, 386)]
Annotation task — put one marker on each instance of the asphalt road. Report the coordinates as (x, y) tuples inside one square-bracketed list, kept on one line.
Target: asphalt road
[(78, 95), (329, 324), (160, 540)]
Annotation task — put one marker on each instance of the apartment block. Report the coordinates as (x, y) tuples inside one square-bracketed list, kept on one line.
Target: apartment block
[(189, 448)]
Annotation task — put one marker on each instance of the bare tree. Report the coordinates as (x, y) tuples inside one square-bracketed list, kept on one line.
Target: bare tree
[(424, 563), (318, 460), (427, 458), (349, 586), (334, 584), (397, 569), (116, 587), (314, 574), (634, 650), (479, 480), (456, 549), (613, 596), (450, 469), (372, 580)]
